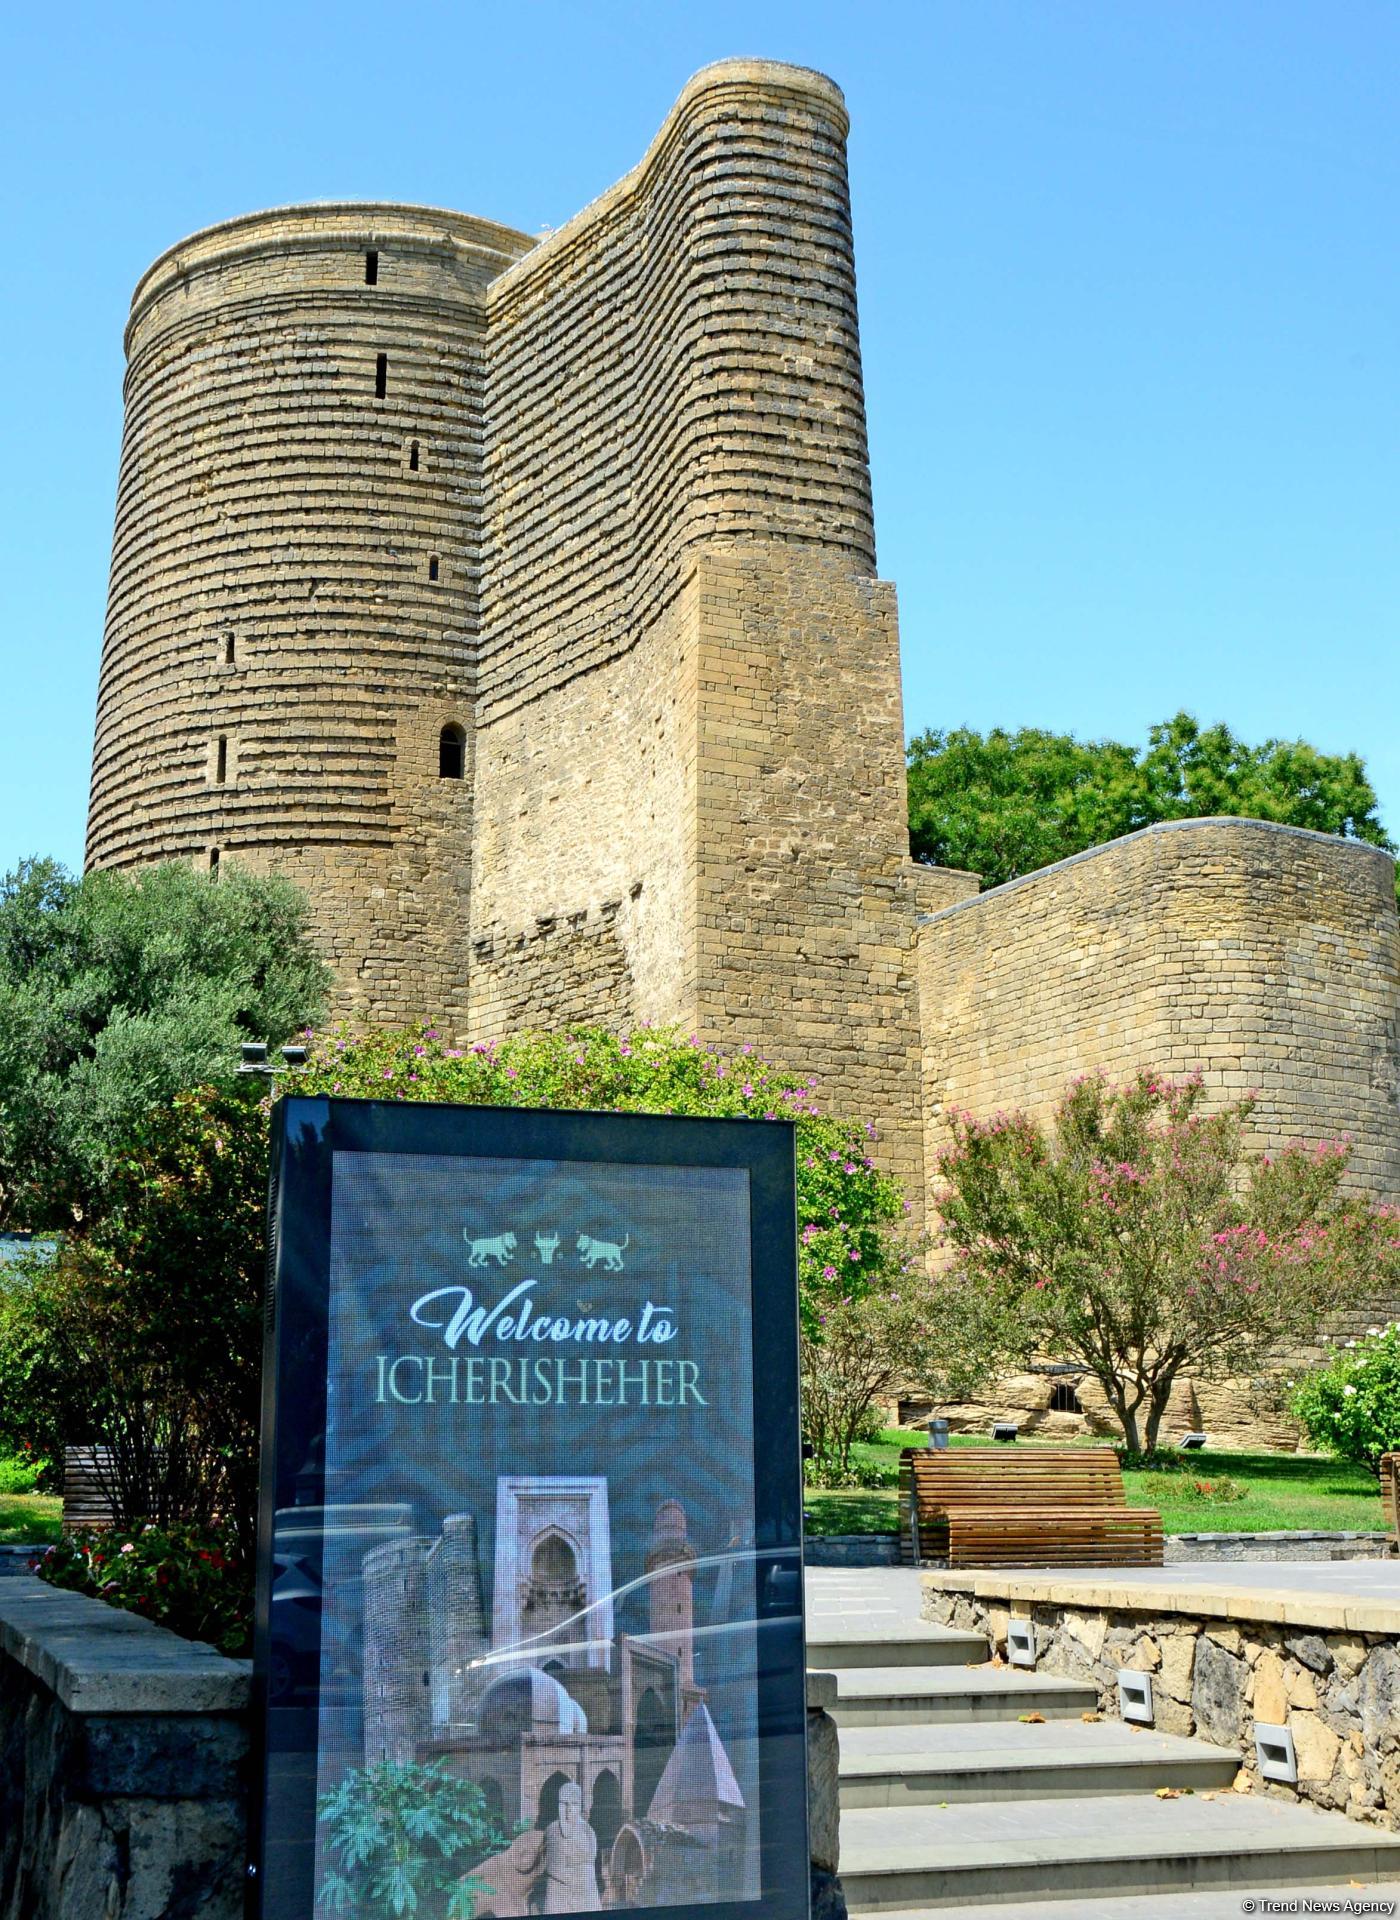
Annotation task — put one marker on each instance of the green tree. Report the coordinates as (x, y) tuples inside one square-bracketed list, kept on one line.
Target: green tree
[(1003, 804), (1140, 1237), (862, 1349), (146, 1330), (115, 992)]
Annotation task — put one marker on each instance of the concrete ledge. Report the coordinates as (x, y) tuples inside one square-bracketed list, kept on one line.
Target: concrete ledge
[(1223, 1600), (821, 1692), (99, 1659)]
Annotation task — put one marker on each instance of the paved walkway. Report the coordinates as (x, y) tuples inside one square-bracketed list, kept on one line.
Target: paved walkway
[(851, 1602), (1342, 1579)]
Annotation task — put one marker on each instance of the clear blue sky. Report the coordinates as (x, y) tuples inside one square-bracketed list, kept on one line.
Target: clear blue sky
[(1130, 297)]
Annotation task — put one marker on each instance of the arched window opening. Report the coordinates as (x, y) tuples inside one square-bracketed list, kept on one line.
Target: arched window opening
[(432, 566), (605, 1816), (549, 1799), (452, 752), (413, 456), (653, 1737)]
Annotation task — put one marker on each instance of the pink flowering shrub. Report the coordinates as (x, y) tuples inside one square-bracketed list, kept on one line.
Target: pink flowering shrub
[(849, 1212), (1139, 1235)]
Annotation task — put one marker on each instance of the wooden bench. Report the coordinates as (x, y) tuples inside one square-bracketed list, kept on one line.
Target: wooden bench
[(1390, 1490), (1022, 1507)]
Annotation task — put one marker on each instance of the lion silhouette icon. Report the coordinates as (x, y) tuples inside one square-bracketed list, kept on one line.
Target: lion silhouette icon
[(591, 1251), (499, 1247)]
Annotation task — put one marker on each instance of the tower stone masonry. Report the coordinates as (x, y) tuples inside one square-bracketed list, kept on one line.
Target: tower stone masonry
[(518, 598)]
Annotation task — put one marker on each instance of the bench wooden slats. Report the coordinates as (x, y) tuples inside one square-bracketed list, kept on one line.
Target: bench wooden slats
[(1056, 1506), (1390, 1490)]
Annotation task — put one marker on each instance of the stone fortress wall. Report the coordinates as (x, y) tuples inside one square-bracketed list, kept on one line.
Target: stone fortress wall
[(1266, 956), (610, 516)]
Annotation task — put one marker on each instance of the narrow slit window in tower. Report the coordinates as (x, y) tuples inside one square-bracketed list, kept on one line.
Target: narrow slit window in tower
[(372, 268), (452, 752), (381, 376), (228, 649), (432, 566), (213, 863), (221, 761), (413, 456)]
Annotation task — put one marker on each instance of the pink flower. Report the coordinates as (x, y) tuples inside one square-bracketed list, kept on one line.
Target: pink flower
[(828, 1273), (748, 1089)]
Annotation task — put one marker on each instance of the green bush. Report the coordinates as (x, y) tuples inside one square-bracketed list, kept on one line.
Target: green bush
[(849, 1212), (406, 1837), (24, 1472), (1221, 1491), (193, 1580), (1351, 1407)]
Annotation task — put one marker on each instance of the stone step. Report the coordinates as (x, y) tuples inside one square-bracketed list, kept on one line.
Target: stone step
[(911, 1644), (1222, 1903), (993, 1852), (894, 1766), (899, 1696)]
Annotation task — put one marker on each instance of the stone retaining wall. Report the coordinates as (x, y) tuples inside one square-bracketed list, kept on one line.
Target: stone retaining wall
[(122, 1760), (1337, 1688)]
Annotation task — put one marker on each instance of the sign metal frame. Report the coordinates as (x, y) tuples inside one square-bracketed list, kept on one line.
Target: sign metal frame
[(308, 1132)]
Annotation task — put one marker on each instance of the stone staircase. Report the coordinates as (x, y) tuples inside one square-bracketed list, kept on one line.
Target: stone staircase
[(953, 1802)]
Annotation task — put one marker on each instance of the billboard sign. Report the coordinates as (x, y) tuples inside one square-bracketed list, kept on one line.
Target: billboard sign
[(529, 1621)]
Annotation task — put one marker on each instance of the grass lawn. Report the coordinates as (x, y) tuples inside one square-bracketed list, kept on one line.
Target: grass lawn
[(26, 1517), (1282, 1491)]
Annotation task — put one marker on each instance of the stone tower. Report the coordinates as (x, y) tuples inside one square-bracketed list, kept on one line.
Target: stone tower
[(457, 1634), (396, 1655), (518, 599), (295, 584), (670, 1564)]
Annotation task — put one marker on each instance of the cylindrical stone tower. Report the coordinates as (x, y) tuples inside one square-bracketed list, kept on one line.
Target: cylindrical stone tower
[(396, 1654), (286, 673), (457, 1634)]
